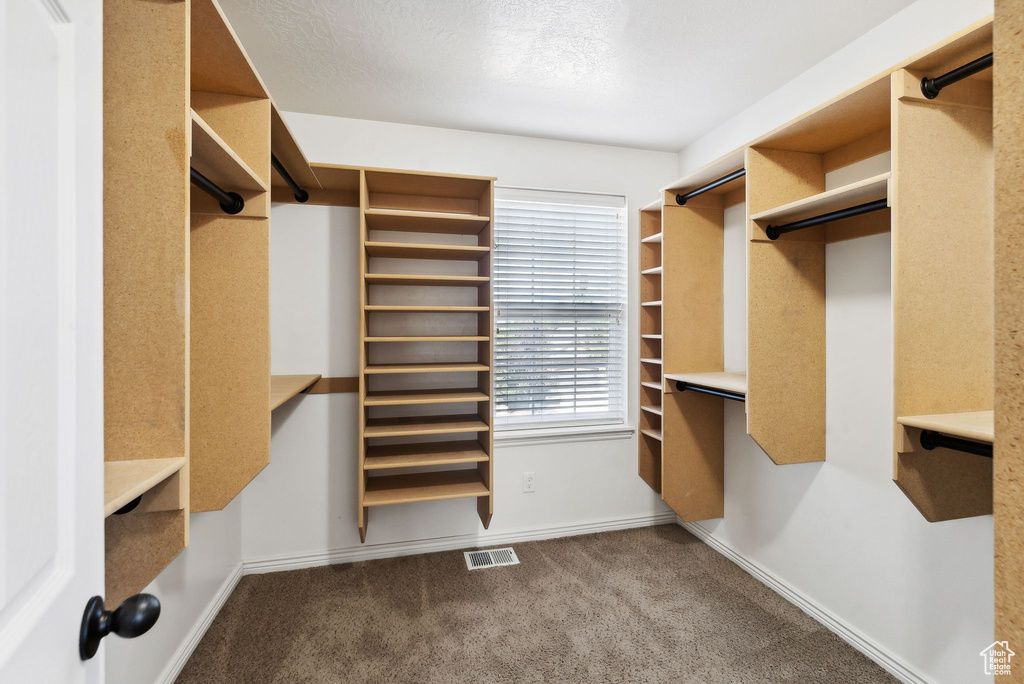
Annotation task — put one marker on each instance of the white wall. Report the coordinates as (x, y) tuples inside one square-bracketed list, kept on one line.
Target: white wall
[(302, 508)]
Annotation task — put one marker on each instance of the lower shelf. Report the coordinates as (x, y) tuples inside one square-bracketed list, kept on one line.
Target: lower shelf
[(423, 425), (656, 434), (435, 486), (426, 454), (125, 481), (976, 425), (284, 387)]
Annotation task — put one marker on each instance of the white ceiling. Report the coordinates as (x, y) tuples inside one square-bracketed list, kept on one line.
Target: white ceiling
[(653, 74)]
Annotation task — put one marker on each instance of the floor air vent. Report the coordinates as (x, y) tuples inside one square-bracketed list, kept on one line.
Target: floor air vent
[(478, 560)]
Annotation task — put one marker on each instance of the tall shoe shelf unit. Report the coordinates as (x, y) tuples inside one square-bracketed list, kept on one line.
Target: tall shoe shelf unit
[(650, 441), (935, 200), (426, 327)]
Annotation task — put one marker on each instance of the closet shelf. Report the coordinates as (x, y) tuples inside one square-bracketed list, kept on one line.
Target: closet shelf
[(652, 385), (427, 308), (427, 396), (651, 337), (433, 486), (408, 250), (384, 369), (656, 410), (215, 159), (654, 303), (430, 338), (652, 238), (656, 434), (408, 426), (727, 382), (427, 454), (975, 425), (652, 271), (655, 361), (868, 190), (284, 387), (427, 280), (425, 221), (125, 481)]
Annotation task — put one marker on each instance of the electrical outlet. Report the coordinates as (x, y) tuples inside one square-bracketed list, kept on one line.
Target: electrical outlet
[(529, 484)]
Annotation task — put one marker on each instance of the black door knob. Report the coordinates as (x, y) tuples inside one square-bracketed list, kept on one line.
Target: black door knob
[(132, 618)]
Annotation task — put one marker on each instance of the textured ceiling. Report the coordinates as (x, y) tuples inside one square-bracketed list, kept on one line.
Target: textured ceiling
[(653, 74)]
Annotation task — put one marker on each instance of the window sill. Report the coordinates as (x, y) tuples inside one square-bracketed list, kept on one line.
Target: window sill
[(589, 433)]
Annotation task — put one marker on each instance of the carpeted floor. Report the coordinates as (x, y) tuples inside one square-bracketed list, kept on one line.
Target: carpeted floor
[(645, 605)]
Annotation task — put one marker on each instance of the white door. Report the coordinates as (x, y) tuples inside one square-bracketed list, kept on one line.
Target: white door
[(51, 326)]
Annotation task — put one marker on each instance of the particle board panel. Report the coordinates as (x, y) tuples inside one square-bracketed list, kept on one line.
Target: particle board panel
[(729, 382), (406, 250), (428, 308), (425, 221), (649, 461), (432, 486), (427, 454), (1009, 321), (485, 350), (337, 186), (976, 425), (943, 290), (404, 426), (230, 355), (243, 123), (428, 280), (467, 367), (124, 481), (284, 387), (138, 546), (786, 315), (860, 192), (427, 396), (427, 184), (219, 64), (716, 169), (858, 150), (335, 385), (362, 515), (288, 152), (692, 463), (213, 157)]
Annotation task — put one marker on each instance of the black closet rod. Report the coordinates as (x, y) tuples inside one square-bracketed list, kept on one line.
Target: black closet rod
[(930, 439), (930, 87), (230, 202), (774, 232), (300, 194), (683, 386), (681, 199)]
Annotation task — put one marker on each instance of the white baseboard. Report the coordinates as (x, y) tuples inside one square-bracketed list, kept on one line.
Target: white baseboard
[(885, 659), (184, 652), (353, 554)]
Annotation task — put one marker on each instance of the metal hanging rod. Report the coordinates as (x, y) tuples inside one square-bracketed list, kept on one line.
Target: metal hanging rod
[(300, 194), (930, 439), (681, 199), (774, 232), (683, 386), (230, 202), (930, 87)]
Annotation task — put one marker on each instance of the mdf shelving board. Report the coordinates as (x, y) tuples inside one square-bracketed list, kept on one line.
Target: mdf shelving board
[(729, 382), (408, 426), (651, 385), (406, 250), (718, 168), (429, 193), (425, 308), (425, 454), (427, 280), (432, 486), (652, 361), (124, 481), (284, 387), (219, 63), (213, 158), (432, 338), (338, 183), (651, 337), (426, 396), (654, 303), (652, 238), (975, 425), (656, 410), (288, 152), (651, 271), (408, 221), (656, 434), (390, 368)]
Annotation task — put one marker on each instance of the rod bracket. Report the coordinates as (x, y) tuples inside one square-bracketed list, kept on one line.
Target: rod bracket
[(680, 199), (236, 205)]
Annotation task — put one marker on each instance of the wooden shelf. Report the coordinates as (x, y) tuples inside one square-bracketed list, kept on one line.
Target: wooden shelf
[(408, 426), (427, 454), (425, 221), (976, 425), (655, 303), (427, 396), (215, 159), (652, 238), (728, 382), (651, 337), (868, 190), (408, 250), (284, 387), (426, 308), (656, 410), (434, 338), (433, 486), (656, 434), (426, 280), (652, 385), (655, 361), (385, 369), (651, 271), (124, 481)]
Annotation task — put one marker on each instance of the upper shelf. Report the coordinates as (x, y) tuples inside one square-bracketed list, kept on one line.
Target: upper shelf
[(652, 238), (124, 481), (288, 152), (284, 387), (215, 159), (425, 221), (219, 64), (407, 250), (727, 382), (976, 425), (867, 190)]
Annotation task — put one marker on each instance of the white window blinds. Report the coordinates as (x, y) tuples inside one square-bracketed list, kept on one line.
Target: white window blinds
[(560, 308)]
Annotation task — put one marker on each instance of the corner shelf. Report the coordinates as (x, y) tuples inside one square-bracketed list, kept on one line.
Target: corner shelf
[(284, 387), (432, 486), (125, 481)]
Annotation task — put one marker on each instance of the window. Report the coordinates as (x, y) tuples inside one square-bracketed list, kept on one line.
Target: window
[(560, 309)]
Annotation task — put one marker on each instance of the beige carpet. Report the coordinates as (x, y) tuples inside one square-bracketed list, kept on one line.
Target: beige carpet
[(645, 605)]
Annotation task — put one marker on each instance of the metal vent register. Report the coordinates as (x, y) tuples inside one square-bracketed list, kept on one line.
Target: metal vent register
[(478, 560)]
